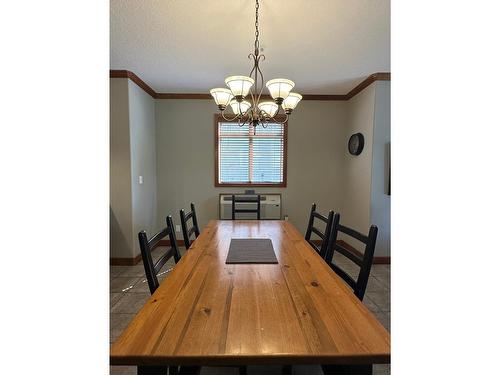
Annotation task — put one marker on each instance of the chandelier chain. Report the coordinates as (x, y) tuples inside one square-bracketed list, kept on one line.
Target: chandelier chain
[(256, 27)]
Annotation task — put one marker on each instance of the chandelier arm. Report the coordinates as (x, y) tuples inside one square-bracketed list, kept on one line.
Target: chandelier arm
[(228, 119), (245, 122), (250, 75), (261, 77), (280, 122)]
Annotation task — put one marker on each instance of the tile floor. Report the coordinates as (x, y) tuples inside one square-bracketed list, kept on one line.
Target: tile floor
[(129, 291)]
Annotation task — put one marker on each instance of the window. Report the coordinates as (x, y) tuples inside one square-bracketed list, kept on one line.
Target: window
[(243, 158)]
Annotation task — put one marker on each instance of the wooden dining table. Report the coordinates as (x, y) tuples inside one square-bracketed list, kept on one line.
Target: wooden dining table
[(209, 313)]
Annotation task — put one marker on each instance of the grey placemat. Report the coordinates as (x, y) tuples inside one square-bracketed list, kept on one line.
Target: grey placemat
[(251, 250)]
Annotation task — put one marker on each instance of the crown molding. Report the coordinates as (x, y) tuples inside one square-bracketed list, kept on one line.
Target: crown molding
[(381, 76)]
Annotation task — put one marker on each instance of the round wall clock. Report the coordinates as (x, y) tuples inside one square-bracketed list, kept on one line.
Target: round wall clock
[(356, 144)]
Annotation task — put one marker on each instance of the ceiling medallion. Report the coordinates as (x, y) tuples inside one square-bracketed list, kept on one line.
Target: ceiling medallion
[(256, 112)]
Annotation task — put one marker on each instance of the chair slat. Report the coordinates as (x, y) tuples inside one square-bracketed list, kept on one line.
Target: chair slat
[(318, 233), (353, 233), (164, 259), (348, 254), (324, 235), (344, 275), (317, 215), (157, 238)]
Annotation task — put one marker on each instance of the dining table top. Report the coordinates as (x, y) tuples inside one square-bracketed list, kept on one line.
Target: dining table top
[(207, 312)]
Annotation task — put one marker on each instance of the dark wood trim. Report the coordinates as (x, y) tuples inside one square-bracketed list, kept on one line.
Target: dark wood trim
[(217, 119), (367, 82), (376, 260), (381, 76), (139, 82), (125, 261), (164, 95)]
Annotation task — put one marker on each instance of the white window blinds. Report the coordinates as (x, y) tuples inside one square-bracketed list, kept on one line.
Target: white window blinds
[(248, 158)]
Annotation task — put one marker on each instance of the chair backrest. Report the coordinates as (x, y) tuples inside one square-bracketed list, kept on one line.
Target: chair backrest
[(194, 227), (324, 235), (245, 199), (147, 245), (364, 261)]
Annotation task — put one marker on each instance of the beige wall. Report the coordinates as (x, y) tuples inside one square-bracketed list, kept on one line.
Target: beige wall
[(185, 159), (380, 201), (365, 199), (143, 161), (358, 169), (171, 144), (132, 154), (121, 241)]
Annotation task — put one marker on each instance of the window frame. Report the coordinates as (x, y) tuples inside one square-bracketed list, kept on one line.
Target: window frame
[(218, 118)]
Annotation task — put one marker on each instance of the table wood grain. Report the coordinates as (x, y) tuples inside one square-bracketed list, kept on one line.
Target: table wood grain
[(207, 312)]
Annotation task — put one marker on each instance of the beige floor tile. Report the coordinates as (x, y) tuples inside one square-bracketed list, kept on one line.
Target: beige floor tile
[(384, 317), (367, 301), (119, 284), (381, 299), (375, 285), (381, 270), (116, 270), (134, 271), (113, 298), (130, 303), (384, 279), (123, 370), (117, 323), (381, 369)]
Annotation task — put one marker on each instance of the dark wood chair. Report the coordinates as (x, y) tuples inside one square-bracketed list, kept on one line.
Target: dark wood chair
[(364, 261), (147, 245), (324, 235), (245, 199), (194, 228)]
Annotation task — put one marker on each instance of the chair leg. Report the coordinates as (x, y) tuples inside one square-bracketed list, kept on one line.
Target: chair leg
[(287, 370), (173, 370), (242, 370)]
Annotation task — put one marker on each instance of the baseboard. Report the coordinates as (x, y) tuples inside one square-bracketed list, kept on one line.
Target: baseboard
[(125, 261)]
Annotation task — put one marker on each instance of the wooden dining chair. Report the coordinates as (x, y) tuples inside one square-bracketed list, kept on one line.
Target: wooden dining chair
[(147, 245), (364, 261), (245, 199), (324, 235), (194, 228)]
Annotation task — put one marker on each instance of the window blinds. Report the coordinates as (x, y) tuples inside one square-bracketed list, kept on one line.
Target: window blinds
[(245, 157)]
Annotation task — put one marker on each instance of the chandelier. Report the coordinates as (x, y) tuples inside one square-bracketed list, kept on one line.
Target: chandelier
[(256, 112)]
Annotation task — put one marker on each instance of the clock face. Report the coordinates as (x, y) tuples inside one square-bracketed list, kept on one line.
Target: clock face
[(356, 143)]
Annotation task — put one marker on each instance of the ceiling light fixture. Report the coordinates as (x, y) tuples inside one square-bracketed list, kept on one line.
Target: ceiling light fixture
[(256, 112)]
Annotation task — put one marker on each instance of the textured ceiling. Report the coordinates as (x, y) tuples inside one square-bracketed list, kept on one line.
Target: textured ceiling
[(190, 46)]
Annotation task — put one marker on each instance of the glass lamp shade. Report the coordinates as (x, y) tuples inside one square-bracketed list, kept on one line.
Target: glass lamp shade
[(291, 102), (222, 97), (269, 108), (236, 107), (279, 88), (239, 85)]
